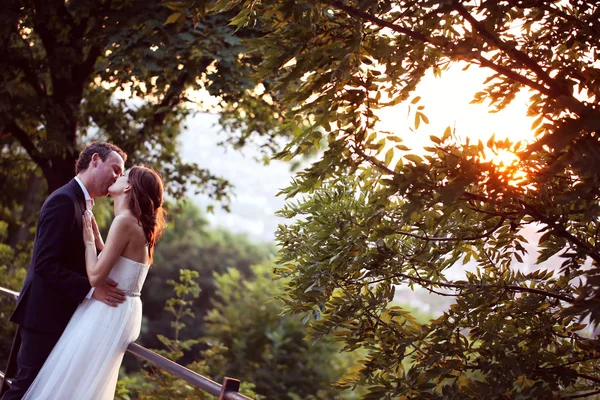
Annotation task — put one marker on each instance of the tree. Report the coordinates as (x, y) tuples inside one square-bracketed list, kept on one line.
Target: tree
[(157, 384), (257, 344), (190, 244), (373, 216), (81, 70), (248, 339), (7, 304), (62, 62)]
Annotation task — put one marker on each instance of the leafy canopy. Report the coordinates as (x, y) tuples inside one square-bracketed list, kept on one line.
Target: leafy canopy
[(372, 216), (80, 70)]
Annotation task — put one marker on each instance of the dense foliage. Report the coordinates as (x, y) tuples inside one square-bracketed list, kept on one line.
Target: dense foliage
[(373, 215), (190, 243), (246, 338), (270, 349), (64, 62)]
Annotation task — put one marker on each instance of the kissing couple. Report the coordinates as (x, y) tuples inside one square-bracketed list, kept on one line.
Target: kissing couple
[(79, 308)]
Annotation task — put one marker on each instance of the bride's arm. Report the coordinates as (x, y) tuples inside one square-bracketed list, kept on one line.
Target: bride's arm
[(98, 268)]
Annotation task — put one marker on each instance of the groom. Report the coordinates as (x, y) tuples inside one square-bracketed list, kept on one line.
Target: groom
[(56, 280)]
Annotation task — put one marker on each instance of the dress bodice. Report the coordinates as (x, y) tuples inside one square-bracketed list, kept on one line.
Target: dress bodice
[(130, 275)]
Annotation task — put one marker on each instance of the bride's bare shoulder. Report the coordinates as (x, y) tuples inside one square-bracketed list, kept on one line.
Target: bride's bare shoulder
[(126, 223)]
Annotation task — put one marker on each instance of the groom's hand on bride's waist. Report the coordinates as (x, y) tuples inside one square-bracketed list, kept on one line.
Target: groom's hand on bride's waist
[(109, 294)]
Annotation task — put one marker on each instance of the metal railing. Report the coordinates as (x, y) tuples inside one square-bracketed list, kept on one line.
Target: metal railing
[(227, 391)]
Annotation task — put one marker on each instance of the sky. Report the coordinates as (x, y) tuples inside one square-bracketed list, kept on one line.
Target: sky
[(254, 202), (447, 103)]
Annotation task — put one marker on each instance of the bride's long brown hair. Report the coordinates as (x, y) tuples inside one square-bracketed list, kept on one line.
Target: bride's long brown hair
[(145, 202)]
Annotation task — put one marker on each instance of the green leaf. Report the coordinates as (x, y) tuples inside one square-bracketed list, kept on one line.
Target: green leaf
[(241, 19), (447, 133), (173, 18), (414, 158), (175, 6), (537, 122), (389, 155)]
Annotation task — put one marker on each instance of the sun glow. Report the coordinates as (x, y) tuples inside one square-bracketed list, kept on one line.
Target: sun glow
[(446, 101)]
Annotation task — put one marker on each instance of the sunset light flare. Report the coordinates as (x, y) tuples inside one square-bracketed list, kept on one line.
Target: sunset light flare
[(447, 103)]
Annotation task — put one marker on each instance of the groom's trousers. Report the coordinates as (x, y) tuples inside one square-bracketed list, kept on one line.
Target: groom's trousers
[(35, 349)]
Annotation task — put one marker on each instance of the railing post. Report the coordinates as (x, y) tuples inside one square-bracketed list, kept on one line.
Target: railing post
[(229, 385), (11, 365)]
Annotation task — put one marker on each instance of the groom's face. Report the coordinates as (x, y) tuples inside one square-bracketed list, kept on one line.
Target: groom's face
[(106, 172)]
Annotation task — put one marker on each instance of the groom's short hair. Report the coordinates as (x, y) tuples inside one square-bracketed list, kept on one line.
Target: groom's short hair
[(102, 148)]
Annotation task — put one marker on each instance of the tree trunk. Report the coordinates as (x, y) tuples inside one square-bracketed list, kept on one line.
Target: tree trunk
[(61, 114), (61, 171)]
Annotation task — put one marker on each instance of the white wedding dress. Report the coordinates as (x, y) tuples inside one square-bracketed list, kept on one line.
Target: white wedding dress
[(84, 364)]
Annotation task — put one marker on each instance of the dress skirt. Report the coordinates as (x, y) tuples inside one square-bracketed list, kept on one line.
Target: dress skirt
[(84, 364)]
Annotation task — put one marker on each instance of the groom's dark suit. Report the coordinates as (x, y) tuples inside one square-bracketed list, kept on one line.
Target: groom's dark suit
[(55, 284)]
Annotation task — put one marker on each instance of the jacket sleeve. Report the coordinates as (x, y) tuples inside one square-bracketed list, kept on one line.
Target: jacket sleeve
[(56, 221)]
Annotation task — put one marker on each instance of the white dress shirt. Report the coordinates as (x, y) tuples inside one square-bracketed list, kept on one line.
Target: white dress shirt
[(89, 204)]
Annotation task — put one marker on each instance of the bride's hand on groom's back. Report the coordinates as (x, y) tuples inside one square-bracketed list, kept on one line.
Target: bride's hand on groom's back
[(109, 294)]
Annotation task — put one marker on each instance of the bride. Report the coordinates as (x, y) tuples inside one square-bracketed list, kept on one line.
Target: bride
[(84, 364)]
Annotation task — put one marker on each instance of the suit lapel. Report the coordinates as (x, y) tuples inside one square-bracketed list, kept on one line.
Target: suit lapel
[(80, 206), (76, 189)]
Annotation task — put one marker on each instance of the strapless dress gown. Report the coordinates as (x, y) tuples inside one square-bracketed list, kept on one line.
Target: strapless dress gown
[(84, 363)]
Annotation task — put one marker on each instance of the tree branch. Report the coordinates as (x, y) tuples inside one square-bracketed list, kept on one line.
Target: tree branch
[(516, 54), (560, 231), (573, 21), (529, 209), (588, 377), (171, 98), (87, 65), (455, 286), (466, 195), (32, 78), (367, 311), (441, 43), (354, 12), (509, 73), (374, 161), (573, 362), (23, 138), (86, 68), (42, 25), (582, 395), (15, 54), (454, 239)]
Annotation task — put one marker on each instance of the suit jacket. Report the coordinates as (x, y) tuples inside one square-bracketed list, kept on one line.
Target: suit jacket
[(56, 280)]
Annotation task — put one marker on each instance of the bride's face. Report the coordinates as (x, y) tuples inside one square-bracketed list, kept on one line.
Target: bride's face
[(120, 185)]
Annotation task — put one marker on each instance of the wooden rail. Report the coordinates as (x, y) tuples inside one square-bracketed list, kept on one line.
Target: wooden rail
[(227, 391)]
